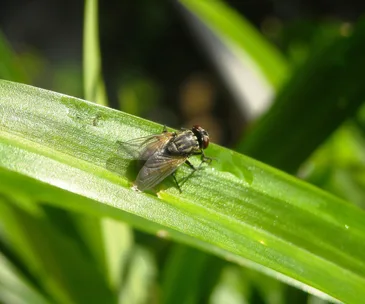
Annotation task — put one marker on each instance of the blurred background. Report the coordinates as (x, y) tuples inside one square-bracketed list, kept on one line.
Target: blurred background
[(158, 59), (281, 81)]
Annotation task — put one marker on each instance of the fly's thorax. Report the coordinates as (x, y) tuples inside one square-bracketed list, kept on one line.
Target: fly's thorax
[(184, 143)]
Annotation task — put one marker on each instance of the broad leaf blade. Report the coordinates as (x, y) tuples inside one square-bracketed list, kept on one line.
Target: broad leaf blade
[(238, 208)]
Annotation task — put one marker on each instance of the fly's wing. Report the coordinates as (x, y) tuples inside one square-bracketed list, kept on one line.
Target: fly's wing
[(143, 147), (157, 168)]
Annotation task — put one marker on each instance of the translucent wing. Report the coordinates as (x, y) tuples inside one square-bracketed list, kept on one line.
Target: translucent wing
[(143, 147), (157, 168)]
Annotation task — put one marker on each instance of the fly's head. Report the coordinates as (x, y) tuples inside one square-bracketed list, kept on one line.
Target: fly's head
[(201, 135)]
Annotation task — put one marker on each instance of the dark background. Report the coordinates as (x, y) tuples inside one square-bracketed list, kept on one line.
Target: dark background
[(147, 49)]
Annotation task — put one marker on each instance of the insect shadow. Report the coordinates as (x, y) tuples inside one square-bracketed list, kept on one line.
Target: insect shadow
[(123, 167)]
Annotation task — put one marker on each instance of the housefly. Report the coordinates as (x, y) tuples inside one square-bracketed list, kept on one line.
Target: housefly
[(164, 153)]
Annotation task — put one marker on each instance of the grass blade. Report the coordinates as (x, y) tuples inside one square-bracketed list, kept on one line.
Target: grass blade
[(94, 88), (61, 150), (236, 32)]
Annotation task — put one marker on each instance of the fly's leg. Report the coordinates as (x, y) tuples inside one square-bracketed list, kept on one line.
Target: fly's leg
[(204, 159), (164, 130), (190, 165), (177, 183), (183, 180)]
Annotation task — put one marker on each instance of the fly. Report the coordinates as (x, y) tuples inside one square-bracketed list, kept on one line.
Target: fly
[(164, 153)]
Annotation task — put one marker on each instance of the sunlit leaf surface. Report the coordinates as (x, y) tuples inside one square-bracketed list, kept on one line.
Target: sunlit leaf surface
[(61, 151)]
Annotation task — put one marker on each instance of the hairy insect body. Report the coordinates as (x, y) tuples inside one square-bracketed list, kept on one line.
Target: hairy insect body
[(164, 153), (183, 144)]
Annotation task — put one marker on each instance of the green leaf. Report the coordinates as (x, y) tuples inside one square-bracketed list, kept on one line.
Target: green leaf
[(323, 93), (110, 240), (94, 88), (238, 33), (186, 274), (14, 288), (338, 166), (46, 250), (139, 284), (118, 239), (61, 150), (10, 67)]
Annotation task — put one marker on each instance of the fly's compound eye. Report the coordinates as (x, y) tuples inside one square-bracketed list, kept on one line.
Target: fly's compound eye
[(205, 140), (202, 135)]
